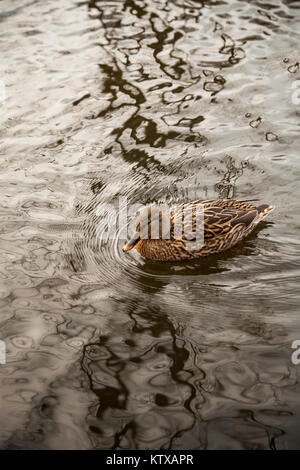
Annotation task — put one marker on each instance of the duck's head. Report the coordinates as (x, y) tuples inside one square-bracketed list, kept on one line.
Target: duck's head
[(152, 223)]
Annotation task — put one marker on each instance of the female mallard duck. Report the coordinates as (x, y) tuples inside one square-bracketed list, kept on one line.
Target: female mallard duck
[(224, 223)]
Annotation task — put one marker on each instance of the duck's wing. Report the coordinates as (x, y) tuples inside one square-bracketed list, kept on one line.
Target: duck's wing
[(220, 222), (224, 222)]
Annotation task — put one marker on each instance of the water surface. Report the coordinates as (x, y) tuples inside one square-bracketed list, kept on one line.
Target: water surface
[(158, 101)]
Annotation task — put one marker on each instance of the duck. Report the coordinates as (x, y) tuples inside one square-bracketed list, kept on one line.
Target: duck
[(194, 228)]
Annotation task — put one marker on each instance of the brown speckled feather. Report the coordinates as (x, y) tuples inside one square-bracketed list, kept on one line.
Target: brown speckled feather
[(225, 223)]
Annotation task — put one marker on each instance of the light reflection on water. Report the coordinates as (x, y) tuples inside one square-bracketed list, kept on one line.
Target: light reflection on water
[(153, 101)]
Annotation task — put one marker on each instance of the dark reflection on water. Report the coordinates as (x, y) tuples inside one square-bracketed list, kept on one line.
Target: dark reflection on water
[(158, 388), (159, 101)]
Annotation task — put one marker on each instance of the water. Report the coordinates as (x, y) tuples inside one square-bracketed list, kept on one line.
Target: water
[(159, 102)]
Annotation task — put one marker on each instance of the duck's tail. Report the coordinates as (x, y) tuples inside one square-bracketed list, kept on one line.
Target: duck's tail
[(263, 211)]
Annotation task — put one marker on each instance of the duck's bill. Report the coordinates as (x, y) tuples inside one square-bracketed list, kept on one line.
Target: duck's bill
[(132, 242)]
